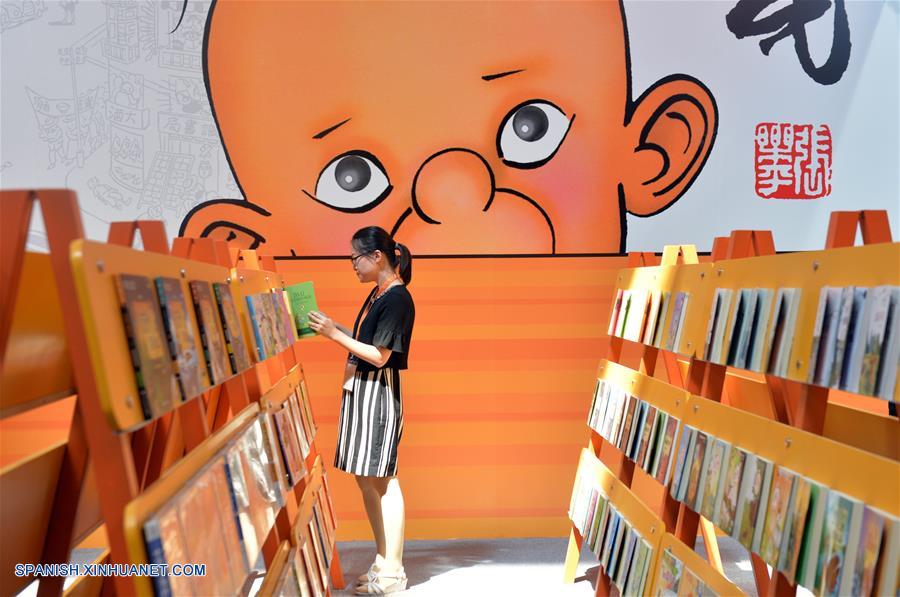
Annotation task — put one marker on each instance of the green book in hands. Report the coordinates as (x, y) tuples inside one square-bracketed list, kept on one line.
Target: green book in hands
[(302, 299)]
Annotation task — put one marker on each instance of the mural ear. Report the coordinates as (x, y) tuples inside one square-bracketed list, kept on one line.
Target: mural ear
[(234, 220), (672, 129)]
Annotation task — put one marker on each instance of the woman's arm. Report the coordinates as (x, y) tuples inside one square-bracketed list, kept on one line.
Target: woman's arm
[(325, 326)]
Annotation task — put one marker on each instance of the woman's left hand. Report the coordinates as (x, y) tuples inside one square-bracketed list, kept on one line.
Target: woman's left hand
[(322, 324)]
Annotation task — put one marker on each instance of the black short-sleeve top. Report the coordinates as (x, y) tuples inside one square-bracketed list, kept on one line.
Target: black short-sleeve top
[(388, 324)]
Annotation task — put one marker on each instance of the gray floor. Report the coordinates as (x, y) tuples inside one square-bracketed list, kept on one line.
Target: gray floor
[(492, 567)]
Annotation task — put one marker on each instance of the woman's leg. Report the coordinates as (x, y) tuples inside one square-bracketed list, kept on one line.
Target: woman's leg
[(372, 502), (393, 520)]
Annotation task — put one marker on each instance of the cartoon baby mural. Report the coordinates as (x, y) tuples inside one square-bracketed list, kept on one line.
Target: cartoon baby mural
[(463, 127)]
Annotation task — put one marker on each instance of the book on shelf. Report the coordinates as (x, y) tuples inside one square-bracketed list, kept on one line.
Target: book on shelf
[(164, 541), (182, 341), (715, 330), (827, 345), (715, 471), (697, 468), (753, 498), (287, 322), (736, 325), (652, 317), (690, 585), (614, 313), (792, 536), (787, 305), (889, 360), (843, 524), (669, 576), (235, 343), (300, 571), (215, 353), (311, 566), (808, 559), (637, 313), (871, 535), (874, 339), (776, 514), (685, 439), (289, 444), (679, 315), (649, 423), (664, 463), (624, 312), (727, 510), (154, 373), (747, 328), (319, 552), (656, 441), (633, 402), (684, 477), (848, 299), (759, 323), (625, 562)]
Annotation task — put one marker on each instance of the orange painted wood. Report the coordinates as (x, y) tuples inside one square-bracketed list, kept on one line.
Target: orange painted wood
[(153, 235), (719, 248)]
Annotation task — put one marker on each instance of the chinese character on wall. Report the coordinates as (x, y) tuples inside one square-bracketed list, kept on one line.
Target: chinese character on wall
[(793, 161)]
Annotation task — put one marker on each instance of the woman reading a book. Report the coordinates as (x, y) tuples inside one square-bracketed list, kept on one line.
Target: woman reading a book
[(371, 420)]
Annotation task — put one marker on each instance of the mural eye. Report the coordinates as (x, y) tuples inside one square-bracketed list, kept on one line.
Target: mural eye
[(531, 133), (353, 182)]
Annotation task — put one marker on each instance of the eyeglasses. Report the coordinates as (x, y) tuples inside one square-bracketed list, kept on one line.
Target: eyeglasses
[(355, 258)]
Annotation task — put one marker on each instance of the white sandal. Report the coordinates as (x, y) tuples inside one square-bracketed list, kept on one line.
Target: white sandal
[(370, 575), (383, 584)]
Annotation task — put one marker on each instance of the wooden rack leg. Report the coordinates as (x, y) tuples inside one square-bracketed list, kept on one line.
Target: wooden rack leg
[(779, 586), (337, 574), (760, 574), (573, 555)]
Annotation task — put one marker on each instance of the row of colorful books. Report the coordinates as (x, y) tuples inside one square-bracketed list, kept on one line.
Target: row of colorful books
[(307, 574), (856, 345), (296, 429), (674, 579), (223, 515), (180, 347), (626, 557), (644, 433), (819, 538), (856, 342)]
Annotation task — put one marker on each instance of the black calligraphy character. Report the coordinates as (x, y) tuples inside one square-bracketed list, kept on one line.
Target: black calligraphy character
[(791, 21)]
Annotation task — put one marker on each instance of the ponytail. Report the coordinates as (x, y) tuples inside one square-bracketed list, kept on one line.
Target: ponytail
[(404, 263)]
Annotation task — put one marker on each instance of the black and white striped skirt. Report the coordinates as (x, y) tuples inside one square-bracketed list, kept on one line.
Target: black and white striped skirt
[(371, 424)]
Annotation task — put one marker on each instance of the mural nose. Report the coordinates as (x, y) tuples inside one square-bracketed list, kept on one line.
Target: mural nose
[(451, 185)]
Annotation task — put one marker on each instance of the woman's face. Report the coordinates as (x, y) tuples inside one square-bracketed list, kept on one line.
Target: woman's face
[(366, 265)]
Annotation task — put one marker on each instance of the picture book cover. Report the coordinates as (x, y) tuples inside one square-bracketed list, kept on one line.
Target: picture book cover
[(685, 475), (669, 575), (681, 451), (656, 442), (649, 423), (644, 572), (590, 417), (215, 353), (682, 317), (316, 525), (690, 585), (757, 344), (843, 329), (736, 325), (294, 404), (217, 475), (874, 338), (615, 553), (714, 476), (624, 312), (287, 323), (590, 512), (725, 518), (629, 422), (637, 313), (754, 495), (807, 563), (868, 552), (782, 485), (320, 555), (839, 514), (154, 374), (783, 330), (697, 461), (231, 323), (270, 303), (609, 536), (821, 316), (711, 324), (627, 558), (610, 331), (635, 568), (856, 331), (828, 346), (652, 316), (740, 360), (290, 446), (263, 328), (887, 579), (661, 320), (795, 525), (182, 341), (675, 322), (640, 418), (719, 326), (312, 567), (664, 469), (890, 350)]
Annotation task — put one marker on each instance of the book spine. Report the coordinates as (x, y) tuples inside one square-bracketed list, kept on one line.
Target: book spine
[(257, 333), (156, 555), (851, 548), (763, 507)]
